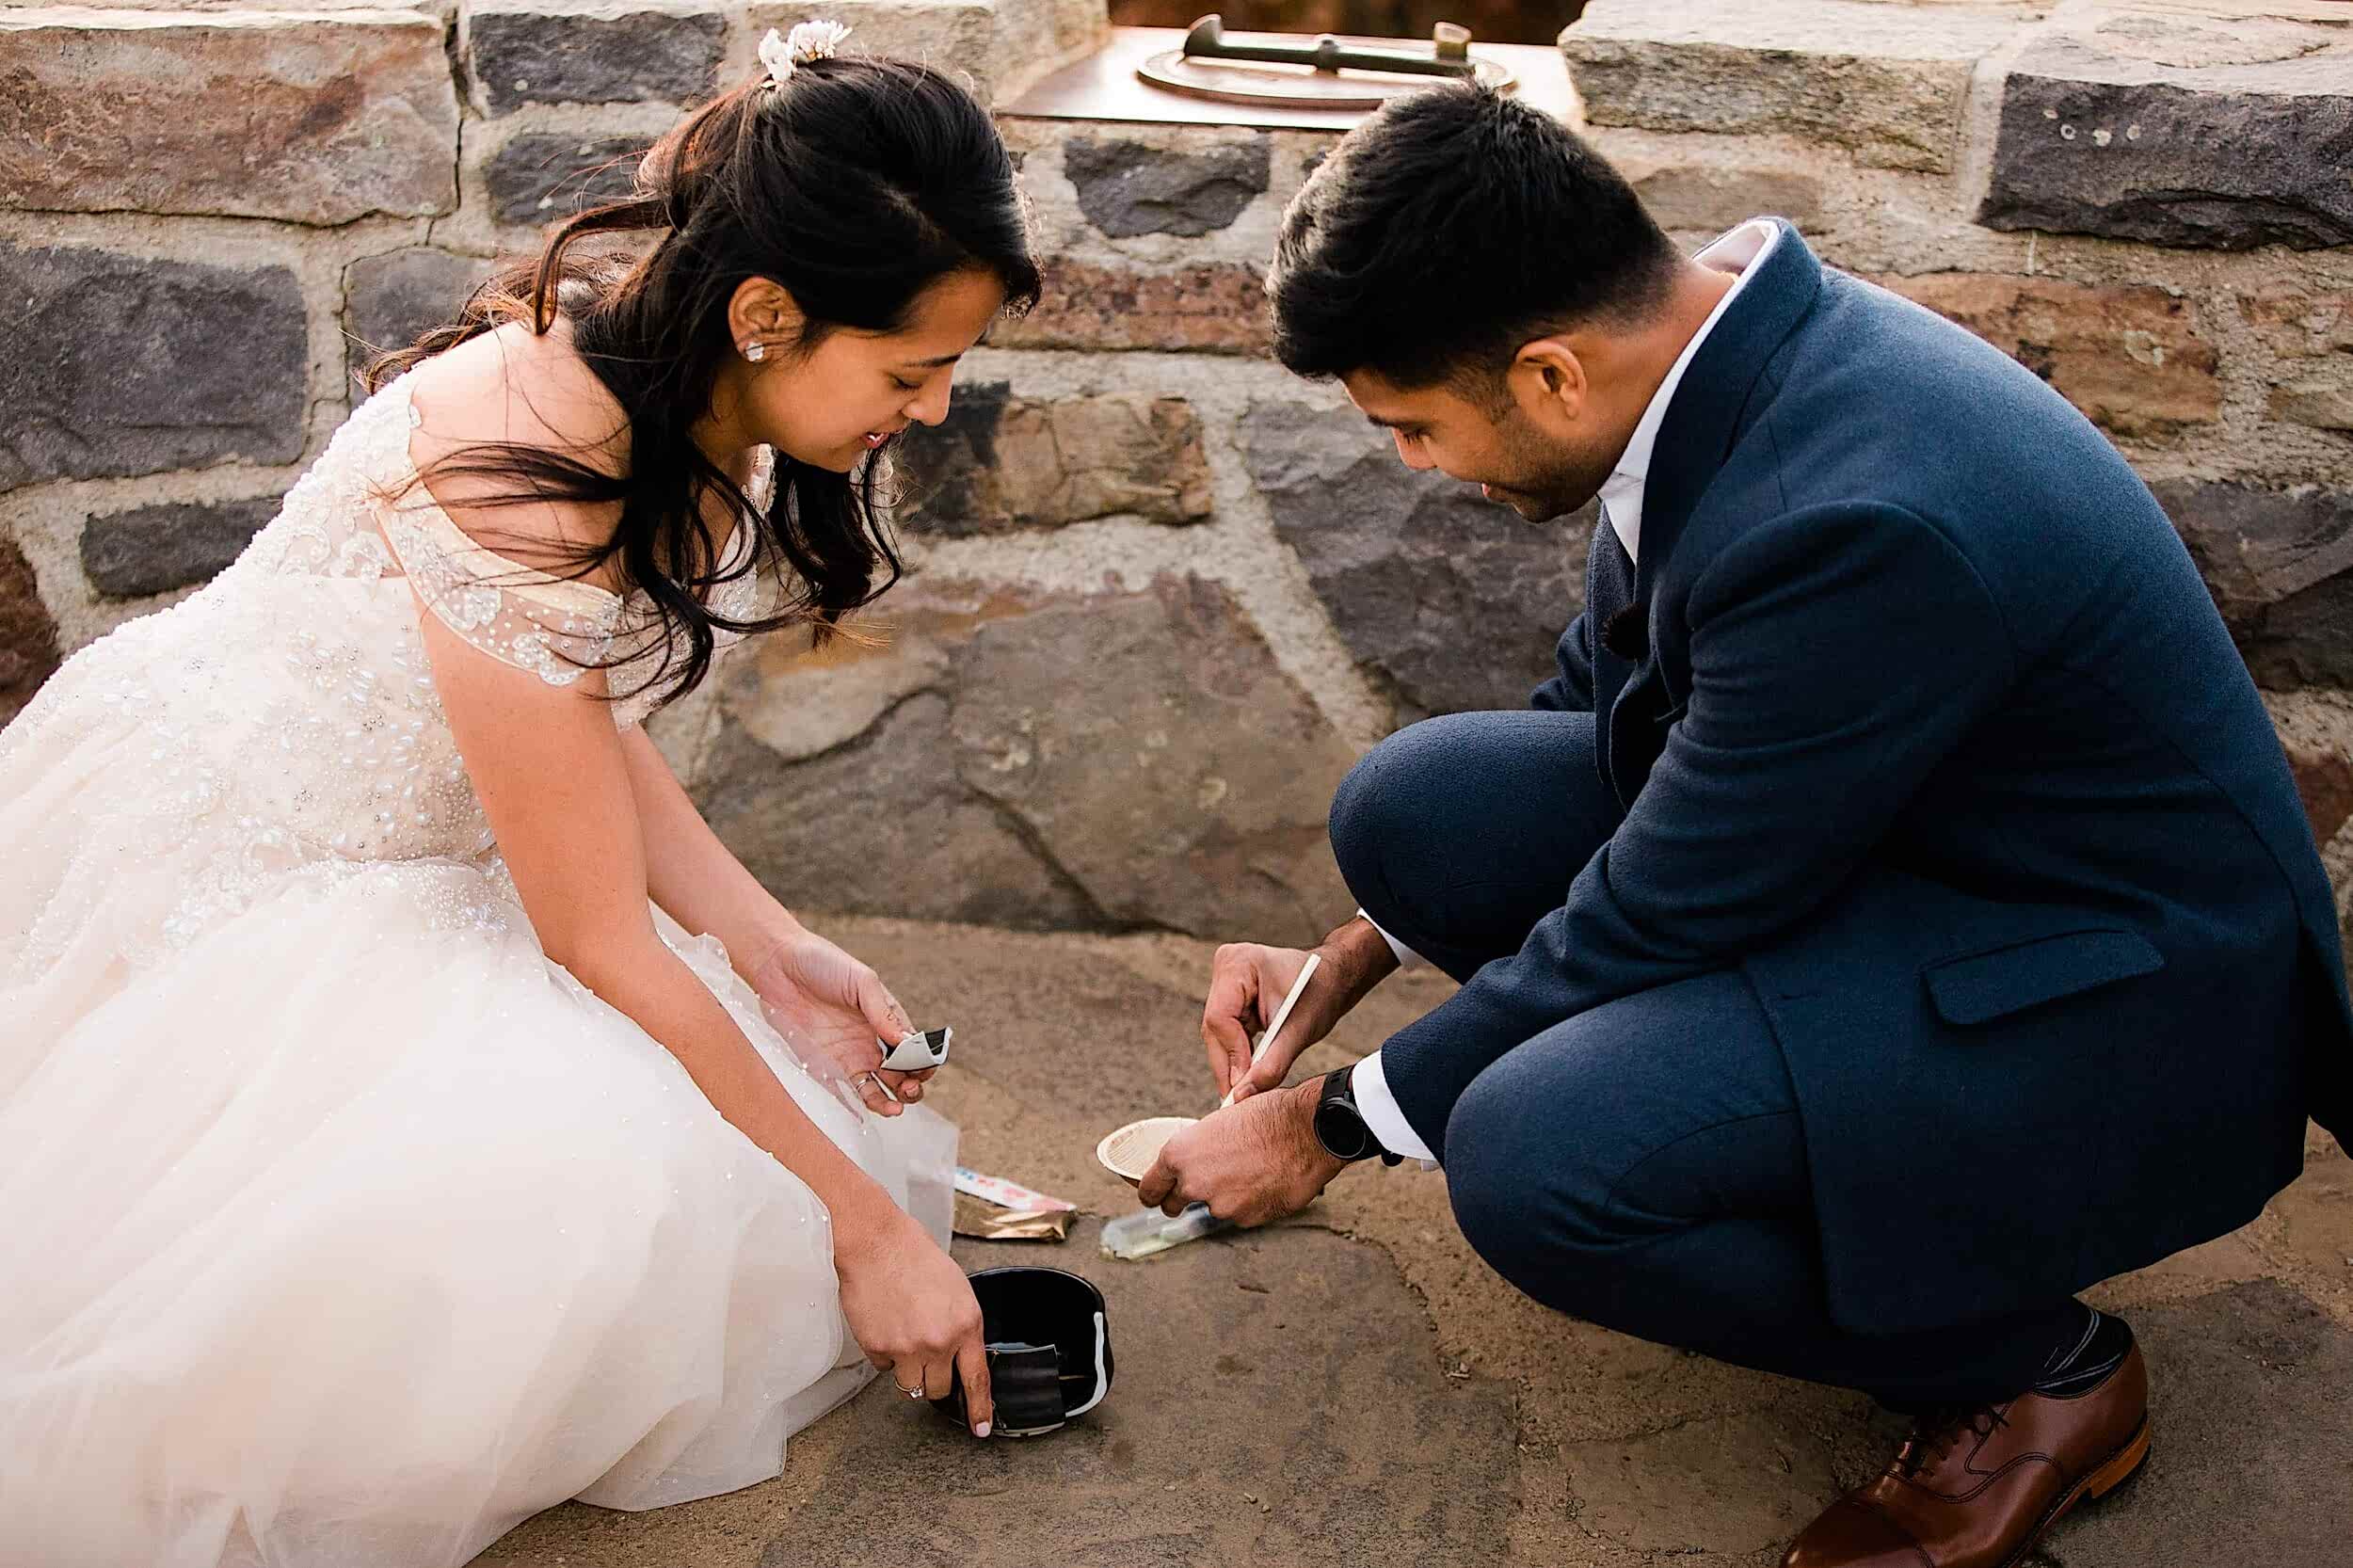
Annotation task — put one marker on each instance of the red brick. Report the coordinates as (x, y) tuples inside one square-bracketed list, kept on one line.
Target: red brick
[(2128, 356), (1217, 306)]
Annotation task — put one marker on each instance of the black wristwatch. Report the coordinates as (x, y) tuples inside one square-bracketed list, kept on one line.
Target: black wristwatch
[(1341, 1126)]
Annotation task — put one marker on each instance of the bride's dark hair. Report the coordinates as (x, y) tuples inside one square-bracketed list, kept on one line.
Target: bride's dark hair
[(857, 185)]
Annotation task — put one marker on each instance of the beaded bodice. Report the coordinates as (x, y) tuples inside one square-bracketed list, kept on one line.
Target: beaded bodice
[(284, 719), (360, 513)]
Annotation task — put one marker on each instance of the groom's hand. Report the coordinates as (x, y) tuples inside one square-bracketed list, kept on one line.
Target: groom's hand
[(1253, 1163), (1247, 982)]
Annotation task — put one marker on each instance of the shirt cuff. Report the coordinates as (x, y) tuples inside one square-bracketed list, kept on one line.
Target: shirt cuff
[(1383, 1119), (1406, 957)]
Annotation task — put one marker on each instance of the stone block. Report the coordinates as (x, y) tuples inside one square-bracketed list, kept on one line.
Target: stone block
[(543, 178), (1150, 745), (2197, 1271), (2323, 404), (2316, 733), (28, 638), (1321, 1427), (313, 117), (804, 702), (2245, 1379), (1452, 603), (1887, 83), (1101, 762), (153, 550), (519, 52), (1127, 187), (2316, 1216), (392, 299), (1029, 38), (2312, 331), (2128, 131), (1700, 197), (955, 36), (2306, 640), (1211, 307), (2128, 356), (2301, 323), (1739, 1484), (1001, 462), (882, 825), (120, 364), (2276, 562)]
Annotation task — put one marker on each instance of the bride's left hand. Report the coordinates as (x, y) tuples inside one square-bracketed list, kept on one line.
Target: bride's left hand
[(834, 1012)]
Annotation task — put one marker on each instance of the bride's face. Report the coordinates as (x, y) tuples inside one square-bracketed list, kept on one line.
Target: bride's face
[(855, 390)]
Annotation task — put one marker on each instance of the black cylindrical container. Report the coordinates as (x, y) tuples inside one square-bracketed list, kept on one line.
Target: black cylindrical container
[(1049, 1350)]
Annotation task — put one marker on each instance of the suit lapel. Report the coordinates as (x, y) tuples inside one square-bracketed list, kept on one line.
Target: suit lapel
[(1635, 735), (1701, 422), (1608, 591)]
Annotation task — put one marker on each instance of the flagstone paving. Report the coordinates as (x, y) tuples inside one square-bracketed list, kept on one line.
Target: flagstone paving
[(1356, 1386)]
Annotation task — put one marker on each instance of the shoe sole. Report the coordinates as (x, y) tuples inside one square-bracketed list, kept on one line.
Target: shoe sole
[(2115, 1471)]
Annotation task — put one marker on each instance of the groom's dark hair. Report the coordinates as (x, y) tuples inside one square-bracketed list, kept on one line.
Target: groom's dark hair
[(1449, 229)]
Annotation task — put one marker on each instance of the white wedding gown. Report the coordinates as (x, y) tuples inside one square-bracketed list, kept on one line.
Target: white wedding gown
[(338, 1225)]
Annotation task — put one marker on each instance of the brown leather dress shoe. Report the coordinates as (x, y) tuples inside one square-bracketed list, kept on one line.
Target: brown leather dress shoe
[(1978, 1489)]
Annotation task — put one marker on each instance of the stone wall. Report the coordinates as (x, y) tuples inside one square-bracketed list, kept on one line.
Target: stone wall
[(210, 214), (2147, 203), (1160, 593)]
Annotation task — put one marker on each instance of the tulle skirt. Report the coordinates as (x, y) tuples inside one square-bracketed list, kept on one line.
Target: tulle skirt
[(344, 1227)]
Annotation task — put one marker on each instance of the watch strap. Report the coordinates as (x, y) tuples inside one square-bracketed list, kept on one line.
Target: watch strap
[(1339, 1093)]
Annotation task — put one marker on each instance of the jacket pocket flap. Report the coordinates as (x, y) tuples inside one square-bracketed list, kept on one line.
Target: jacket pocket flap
[(1984, 986)]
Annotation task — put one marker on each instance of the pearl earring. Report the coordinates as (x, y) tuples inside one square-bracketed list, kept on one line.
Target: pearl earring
[(755, 350)]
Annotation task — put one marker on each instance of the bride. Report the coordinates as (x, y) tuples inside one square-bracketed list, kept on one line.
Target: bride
[(411, 1116)]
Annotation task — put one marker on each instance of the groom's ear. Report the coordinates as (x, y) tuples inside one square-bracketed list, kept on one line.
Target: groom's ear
[(1548, 382)]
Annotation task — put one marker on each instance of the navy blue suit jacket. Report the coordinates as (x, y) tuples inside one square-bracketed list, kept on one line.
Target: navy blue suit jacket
[(1920, 715)]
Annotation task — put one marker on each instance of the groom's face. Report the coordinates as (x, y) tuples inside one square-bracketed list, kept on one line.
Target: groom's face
[(1482, 435)]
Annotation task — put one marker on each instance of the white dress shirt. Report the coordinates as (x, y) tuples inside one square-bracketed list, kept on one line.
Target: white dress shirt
[(1621, 504)]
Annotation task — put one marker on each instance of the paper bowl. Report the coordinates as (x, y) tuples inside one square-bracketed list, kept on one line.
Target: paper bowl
[(1130, 1151)]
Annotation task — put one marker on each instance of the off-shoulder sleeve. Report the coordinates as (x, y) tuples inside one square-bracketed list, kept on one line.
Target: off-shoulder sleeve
[(556, 627)]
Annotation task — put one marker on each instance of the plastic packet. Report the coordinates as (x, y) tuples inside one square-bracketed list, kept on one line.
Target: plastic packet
[(1006, 1193)]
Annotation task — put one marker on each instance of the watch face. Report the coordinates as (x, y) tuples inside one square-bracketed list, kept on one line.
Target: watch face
[(1342, 1131)]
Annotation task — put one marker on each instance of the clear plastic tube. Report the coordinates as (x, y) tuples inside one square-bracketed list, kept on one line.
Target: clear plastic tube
[(1148, 1231)]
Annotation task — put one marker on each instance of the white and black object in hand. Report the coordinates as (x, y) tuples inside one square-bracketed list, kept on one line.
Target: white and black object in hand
[(919, 1050), (1341, 1126)]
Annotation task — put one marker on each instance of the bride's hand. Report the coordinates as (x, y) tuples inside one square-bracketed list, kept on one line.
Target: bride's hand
[(834, 1012), (914, 1314)]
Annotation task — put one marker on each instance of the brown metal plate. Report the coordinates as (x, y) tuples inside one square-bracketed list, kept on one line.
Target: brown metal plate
[(1295, 85), (1105, 86)]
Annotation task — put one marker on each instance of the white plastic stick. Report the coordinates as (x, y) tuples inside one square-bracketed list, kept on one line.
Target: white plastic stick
[(1315, 962)]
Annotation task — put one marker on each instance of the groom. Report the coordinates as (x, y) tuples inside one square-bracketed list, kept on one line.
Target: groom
[(1894, 916)]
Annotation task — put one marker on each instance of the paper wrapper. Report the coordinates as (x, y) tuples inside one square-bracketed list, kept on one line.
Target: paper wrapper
[(985, 1220)]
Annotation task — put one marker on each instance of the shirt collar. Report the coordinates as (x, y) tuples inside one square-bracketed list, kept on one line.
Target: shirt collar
[(1737, 251)]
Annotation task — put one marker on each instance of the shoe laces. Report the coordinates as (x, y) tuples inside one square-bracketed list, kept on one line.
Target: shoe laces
[(1934, 1433)]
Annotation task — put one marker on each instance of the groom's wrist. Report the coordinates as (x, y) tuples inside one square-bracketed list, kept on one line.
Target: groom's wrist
[(1322, 1164), (1360, 958)]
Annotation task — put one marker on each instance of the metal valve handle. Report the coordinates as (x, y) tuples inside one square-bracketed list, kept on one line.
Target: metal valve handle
[(1449, 55)]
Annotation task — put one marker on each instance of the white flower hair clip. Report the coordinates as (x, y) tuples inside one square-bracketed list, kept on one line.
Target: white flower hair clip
[(784, 53)]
